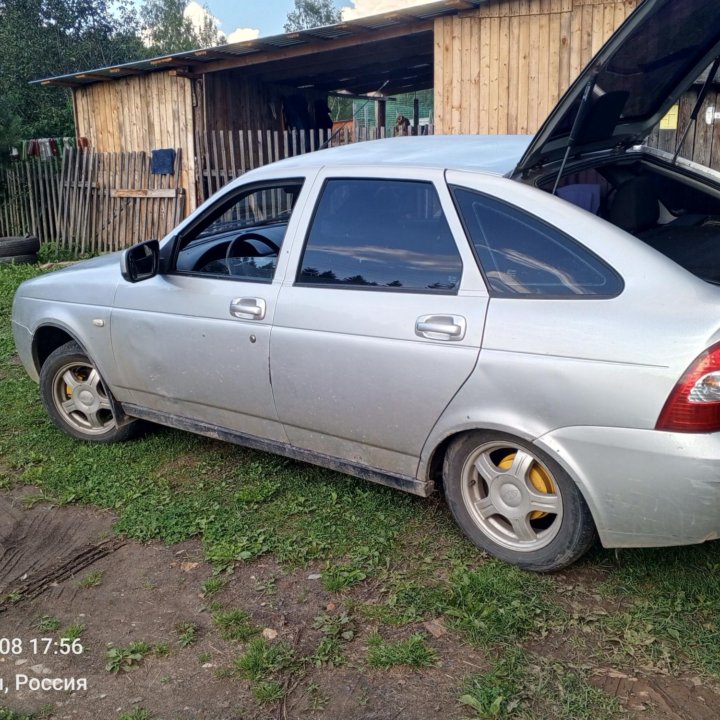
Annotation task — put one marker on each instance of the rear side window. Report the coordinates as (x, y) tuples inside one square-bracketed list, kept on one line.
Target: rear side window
[(521, 255), (380, 235)]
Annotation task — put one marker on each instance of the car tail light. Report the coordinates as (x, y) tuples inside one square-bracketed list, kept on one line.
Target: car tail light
[(694, 403)]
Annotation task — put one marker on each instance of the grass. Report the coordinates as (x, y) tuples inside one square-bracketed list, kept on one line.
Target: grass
[(137, 714), (396, 560), (73, 632), (234, 625), (126, 658), (48, 623), (91, 580), (412, 652), (187, 634), (522, 686)]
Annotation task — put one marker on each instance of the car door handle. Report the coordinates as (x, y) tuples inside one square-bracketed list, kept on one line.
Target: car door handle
[(248, 308), (441, 327)]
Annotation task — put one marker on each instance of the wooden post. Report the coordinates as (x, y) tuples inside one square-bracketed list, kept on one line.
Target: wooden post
[(380, 107)]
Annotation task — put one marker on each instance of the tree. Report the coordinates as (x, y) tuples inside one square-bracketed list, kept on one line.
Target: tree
[(41, 38), (311, 13), (167, 29)]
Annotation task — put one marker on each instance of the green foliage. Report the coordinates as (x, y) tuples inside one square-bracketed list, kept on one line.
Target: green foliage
[(92, 579), (412, 652), (8, 714), (670, 616), (212, 585), (51, 252), (48, 623), (262, 659), (234, 625), (169, 30), (119, 658), (136, 714), (40, 38), (311, 13), (187, 634), (497, 603), (73, 632), (268, 691), (522, 686)]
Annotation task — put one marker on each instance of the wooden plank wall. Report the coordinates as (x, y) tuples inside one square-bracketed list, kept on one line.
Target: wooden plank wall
[(502, 68), (29, 199), (140, 113), (223, 156), (233, 101), (109, 201), (702, 143)]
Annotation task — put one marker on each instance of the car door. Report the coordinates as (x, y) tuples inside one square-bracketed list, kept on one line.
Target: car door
[(379, 322), (194, 341)]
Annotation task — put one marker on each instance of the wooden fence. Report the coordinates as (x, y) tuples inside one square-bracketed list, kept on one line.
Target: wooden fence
[(109, 201), (222, 156), (29, 199)]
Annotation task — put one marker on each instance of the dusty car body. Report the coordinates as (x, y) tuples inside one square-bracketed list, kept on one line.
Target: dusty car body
[(426, 312)]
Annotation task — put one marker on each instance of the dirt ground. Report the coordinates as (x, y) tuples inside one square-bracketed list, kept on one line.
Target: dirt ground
[(143, 592)]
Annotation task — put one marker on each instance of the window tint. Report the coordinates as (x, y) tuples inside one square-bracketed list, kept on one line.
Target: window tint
[(241, 237), (385, 234), (521, 255)]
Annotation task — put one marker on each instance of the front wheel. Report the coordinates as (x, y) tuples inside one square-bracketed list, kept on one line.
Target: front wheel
[(515, 502), (77, 400)]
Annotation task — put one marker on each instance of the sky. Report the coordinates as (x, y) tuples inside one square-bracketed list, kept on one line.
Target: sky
[(247, 19)]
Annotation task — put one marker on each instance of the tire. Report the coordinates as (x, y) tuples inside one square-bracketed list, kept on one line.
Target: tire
[(76, 399), (18, 259), (515, 502), (10, 246)]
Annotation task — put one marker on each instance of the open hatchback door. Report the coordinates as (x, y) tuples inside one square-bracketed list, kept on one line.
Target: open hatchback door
[(616, 101)]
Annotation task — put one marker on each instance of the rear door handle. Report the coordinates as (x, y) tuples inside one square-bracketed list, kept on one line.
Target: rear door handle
[(248, 308), (441, 327)]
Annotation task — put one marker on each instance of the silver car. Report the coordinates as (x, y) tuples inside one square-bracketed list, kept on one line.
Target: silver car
[(531, 326)]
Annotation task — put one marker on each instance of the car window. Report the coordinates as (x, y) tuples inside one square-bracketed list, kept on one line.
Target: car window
[(520, 255), (383, 235), (241, 237)]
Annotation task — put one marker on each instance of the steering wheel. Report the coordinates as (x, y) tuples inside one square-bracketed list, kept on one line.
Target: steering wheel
[(274, 247)]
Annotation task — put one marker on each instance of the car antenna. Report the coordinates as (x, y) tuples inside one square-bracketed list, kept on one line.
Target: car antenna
[(355, 114), (577, 125), (698, 104)]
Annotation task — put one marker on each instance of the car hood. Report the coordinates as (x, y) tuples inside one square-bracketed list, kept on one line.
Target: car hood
[(654, 57), (90, 282)]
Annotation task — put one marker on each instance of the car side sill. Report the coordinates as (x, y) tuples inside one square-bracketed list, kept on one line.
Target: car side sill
[(399, 482)]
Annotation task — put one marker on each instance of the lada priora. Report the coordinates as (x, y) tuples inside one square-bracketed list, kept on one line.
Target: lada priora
[(531, 326)]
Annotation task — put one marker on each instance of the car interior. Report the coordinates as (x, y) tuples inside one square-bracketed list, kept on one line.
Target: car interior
[(667, 210)]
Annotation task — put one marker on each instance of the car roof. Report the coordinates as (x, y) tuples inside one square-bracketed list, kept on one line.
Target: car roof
[(494, 154)]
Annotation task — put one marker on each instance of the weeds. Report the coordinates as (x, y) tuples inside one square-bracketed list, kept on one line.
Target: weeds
[(119, 658), (187, 634), (412, 652), (212, 586), (48, 623), (92, 579), (525, 687), (234, 625)]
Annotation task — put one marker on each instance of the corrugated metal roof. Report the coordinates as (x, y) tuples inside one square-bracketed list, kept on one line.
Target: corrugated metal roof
[(361, 27)]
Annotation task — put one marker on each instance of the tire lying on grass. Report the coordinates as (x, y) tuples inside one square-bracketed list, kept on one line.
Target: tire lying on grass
[(18, 246), (18, 259)]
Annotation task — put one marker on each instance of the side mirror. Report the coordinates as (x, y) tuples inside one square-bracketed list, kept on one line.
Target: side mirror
[(141, 261)]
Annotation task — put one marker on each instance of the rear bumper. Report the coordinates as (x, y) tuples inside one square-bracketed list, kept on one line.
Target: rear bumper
[(644, 487)]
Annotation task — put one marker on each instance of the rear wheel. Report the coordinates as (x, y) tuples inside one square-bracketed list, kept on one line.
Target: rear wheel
[(515, 502), (77, 400)]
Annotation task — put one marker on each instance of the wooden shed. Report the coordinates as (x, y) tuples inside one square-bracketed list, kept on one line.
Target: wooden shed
[(496, 66)]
